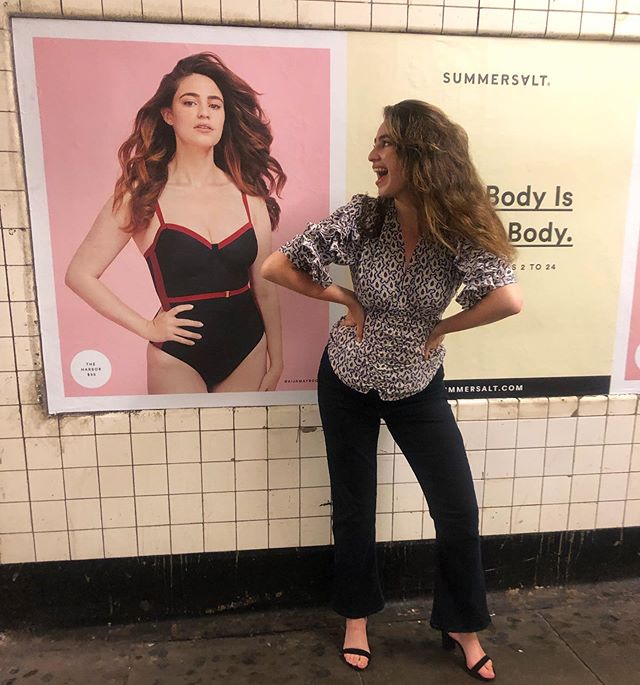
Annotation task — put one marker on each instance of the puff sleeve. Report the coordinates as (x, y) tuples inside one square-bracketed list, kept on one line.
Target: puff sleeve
[(334, 240), (481, 272)]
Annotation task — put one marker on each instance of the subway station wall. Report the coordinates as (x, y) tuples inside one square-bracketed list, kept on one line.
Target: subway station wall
[(217, 479)]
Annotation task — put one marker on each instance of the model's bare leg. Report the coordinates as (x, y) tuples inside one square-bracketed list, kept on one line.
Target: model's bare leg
[(248, 375), (167, 375)]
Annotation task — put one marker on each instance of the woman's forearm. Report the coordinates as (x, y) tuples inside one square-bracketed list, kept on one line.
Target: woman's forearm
[(278, 269), (496, 305), (269, 304), (103, 301)]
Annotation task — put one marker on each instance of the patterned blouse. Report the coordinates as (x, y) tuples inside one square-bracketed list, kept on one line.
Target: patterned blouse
[(402, 303)]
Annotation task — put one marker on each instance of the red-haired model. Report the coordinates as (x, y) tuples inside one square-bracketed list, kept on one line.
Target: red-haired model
[(195, 195)]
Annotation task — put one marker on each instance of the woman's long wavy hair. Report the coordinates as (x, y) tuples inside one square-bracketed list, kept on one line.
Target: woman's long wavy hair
[(452, 199), (243, 151)]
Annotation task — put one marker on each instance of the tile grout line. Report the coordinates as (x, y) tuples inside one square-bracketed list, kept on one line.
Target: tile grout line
[(133, 483), (15, 366), (166, 465), (201, 479), (544, 463), (629, 471)]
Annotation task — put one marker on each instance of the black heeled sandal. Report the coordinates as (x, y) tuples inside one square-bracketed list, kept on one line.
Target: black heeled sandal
[(357, 652), (450, 643)]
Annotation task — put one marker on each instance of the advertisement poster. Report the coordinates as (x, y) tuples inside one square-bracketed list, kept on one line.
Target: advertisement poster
[(552, 128), (81, 86)]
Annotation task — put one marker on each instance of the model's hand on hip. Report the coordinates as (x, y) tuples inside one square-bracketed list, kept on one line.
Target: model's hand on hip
[(271, 378), (434, 340), (166, 326)]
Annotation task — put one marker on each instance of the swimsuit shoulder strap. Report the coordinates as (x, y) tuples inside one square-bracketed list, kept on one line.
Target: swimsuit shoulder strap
[(246, 206), (159, 214)]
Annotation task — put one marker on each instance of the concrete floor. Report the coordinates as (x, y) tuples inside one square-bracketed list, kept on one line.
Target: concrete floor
[(578, 635)]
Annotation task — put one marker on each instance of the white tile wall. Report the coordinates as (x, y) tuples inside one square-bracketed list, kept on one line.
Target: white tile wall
[(558, 461), (499, 463), (284, 503), (554, 517), (587, 459), (219, 537), (582, 516), (501, 434), (525, 519), (152, 509), (527, 491), (153, 540), (610, 514), (284, 533), (187, 539), (83, 514), (315, 531), (215, 479)]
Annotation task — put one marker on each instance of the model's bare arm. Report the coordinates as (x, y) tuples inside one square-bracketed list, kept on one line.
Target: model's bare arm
[(267, 295), (101, 246)]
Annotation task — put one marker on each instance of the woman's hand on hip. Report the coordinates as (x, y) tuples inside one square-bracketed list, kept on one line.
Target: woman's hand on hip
[(166, 326), (355, 317), (434, 340)]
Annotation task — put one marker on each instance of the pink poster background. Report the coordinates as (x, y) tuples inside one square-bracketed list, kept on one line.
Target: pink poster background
[(89, 92)]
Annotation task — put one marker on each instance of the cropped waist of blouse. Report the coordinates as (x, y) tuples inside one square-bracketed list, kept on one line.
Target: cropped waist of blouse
[(402, 302)]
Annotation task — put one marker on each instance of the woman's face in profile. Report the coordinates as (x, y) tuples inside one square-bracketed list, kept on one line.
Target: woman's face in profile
[(391, 177), (197, 111)]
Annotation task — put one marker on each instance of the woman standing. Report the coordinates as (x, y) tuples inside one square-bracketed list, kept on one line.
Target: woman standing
[(431, 229), (195, 195)]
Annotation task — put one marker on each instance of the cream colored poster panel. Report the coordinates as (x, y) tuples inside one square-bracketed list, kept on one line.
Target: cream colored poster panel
[(551, 127)]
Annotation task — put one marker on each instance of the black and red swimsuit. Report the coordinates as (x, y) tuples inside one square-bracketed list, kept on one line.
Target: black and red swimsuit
[(214, 277)]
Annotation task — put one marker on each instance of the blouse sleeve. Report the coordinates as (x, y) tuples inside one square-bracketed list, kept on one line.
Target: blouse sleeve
[(481, 272), (335, 240)]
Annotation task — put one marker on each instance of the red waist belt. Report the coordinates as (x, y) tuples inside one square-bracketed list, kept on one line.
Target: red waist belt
[(210, 296)]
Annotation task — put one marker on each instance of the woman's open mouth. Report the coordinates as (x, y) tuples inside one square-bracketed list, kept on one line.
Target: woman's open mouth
[(380, 172)]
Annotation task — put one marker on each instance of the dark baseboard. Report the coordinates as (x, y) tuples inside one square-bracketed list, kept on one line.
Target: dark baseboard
[(99, 591)]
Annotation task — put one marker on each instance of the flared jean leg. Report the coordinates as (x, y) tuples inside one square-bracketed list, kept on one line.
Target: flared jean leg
[(351, 426), (424, 428)]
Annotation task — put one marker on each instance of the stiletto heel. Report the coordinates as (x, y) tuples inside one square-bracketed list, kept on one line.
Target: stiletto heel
[(450, 643)]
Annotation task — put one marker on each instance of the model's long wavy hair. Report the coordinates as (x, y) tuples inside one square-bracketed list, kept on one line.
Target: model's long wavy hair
[(244, 150), (452, 199)]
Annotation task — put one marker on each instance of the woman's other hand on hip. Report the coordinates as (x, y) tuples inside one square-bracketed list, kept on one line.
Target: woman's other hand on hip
[(435, 339)]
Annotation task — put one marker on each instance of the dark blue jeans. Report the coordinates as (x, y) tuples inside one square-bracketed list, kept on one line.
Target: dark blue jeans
[(424, 428)]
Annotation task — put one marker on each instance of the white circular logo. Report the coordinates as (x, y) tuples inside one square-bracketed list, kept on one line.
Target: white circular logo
[(90, 369)]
